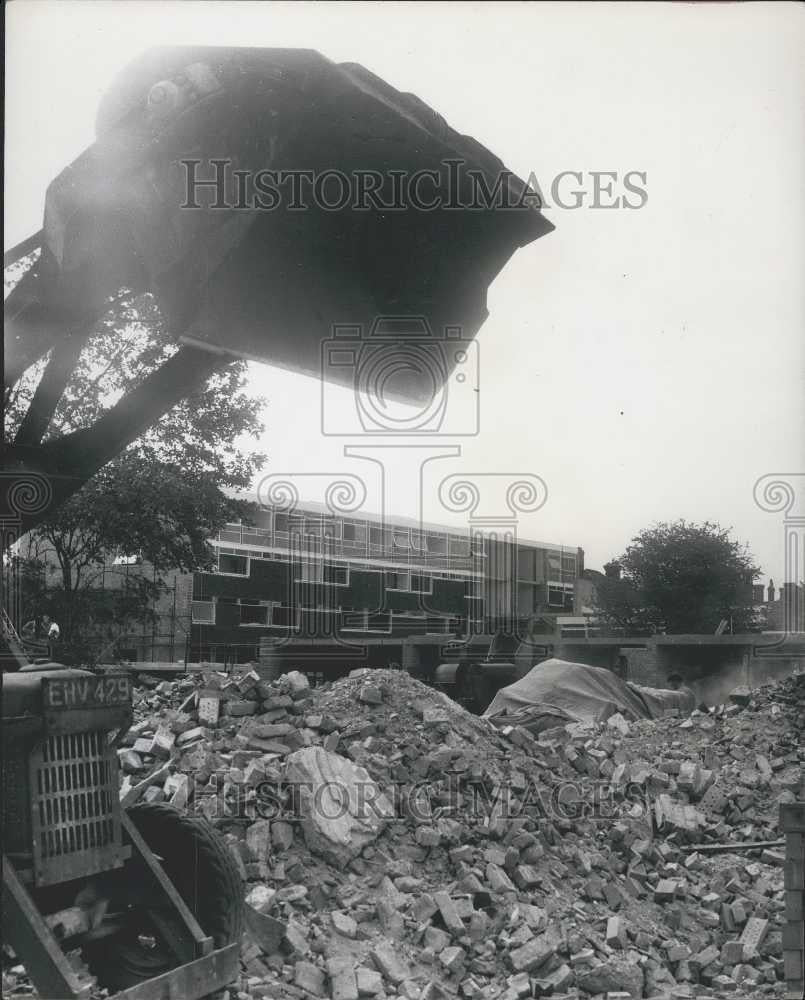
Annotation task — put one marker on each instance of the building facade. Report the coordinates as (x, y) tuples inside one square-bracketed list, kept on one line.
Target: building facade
[(307, 577), (311, 583), (785, 608)]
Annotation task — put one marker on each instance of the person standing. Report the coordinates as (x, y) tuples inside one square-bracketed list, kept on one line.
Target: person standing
[(54, 635)]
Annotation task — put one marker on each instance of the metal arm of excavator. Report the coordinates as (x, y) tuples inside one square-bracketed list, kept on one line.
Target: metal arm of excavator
[(68, 462)]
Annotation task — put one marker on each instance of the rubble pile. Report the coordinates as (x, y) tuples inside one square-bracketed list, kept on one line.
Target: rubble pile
[(393, 844)]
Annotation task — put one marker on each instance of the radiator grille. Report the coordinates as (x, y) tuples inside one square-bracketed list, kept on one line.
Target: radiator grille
[(16, 808), (75, 808)]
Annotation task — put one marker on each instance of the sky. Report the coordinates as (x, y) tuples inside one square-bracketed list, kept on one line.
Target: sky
[(645, 364)]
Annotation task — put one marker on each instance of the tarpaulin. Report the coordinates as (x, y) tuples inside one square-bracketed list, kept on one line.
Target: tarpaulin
[(660, 700), (557, 691)]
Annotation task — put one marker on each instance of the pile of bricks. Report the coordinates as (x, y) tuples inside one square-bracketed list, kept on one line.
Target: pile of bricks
[(792, 824), (602, 862)]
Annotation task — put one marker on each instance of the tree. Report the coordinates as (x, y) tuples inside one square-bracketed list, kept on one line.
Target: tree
[(159, 500), (617, 601), (681, 577), (92, 617)]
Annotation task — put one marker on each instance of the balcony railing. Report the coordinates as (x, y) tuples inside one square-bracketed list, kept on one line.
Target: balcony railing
[(307, 546)]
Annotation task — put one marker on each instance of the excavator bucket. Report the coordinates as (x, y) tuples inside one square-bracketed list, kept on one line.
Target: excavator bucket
[(274, 201)]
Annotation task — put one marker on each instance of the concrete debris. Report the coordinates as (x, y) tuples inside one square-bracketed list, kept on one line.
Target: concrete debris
[(310, 978), (618, 722), (342, 809), (395, 846), (615, 975), (388, 961)]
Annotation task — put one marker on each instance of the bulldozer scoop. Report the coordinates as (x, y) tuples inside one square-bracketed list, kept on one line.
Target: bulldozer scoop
[(273, 200)]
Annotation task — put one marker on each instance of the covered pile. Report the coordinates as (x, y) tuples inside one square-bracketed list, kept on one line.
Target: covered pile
[(561, 692)]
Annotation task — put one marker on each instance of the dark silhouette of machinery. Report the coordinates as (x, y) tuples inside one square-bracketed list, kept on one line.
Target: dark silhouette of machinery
[(172, 199)]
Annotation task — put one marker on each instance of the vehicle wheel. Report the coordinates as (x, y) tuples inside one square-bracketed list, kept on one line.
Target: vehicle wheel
[(464, 694), (482, 688), (201, 868)]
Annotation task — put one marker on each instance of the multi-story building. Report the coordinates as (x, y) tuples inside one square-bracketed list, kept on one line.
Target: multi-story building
[(304, 579), (308, 584)]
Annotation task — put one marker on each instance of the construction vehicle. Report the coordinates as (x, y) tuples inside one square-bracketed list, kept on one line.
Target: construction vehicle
[(151, 898), (477, 667), (148, 895)]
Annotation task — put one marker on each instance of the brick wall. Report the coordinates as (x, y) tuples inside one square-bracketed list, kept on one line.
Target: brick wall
[(644, 668)]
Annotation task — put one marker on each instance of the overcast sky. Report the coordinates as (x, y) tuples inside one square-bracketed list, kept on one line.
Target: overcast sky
[(646, 364)]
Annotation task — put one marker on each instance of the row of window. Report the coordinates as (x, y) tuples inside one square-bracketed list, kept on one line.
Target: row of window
[(239, 568), (557, 569), (413, 583), (335, 574), (319, 572), (560, 595), (338, 575), (275, 615)]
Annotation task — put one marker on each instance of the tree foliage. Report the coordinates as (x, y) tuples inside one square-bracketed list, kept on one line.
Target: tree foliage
[(679, 577), (93, 618), (160, 499)]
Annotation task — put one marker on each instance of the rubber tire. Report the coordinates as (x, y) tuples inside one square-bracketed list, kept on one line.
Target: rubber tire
[(479, 688), (198, 862), (462, 691)]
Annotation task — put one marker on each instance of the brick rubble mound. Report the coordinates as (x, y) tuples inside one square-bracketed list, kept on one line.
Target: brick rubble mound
[(514, 866)]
